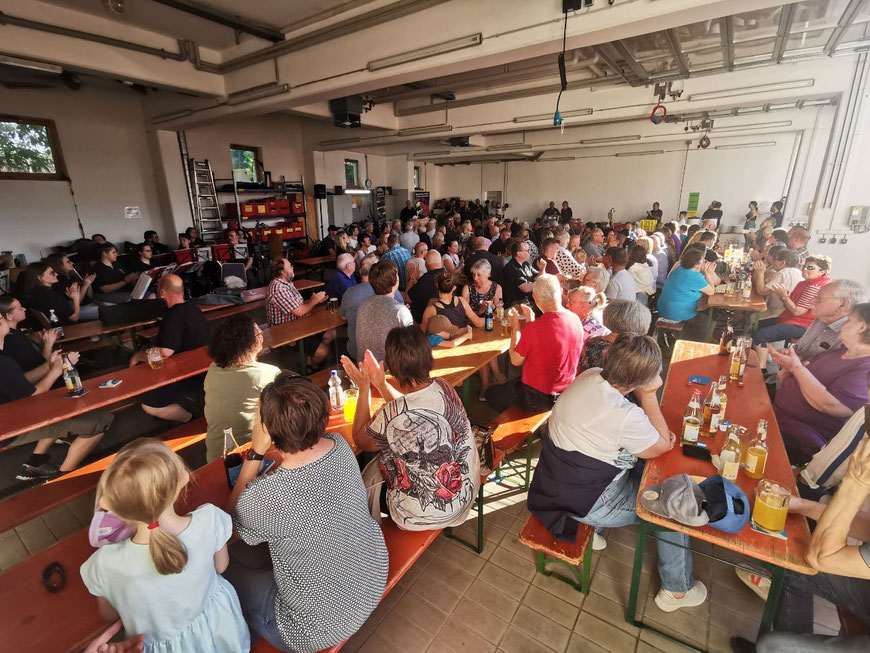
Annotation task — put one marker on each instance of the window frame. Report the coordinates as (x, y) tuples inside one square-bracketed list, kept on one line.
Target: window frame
[(355, 163), (258, 156), (418, 177), (60, 171)]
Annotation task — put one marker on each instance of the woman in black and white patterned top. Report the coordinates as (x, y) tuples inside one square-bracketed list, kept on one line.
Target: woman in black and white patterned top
[(327, 563)]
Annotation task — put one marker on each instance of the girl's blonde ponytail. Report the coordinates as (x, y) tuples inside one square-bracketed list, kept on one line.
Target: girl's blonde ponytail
[(167, 552)]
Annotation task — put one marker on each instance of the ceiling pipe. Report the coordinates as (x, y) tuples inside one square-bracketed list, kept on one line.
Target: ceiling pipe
[(264, 32)]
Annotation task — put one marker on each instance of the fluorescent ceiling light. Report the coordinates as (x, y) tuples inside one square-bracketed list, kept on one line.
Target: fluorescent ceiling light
[(742, 146), (611, 139), (756, 125), (815, 103), (750, 110), (412, 131), (781, 106), (438, 153), (646, 153), (507, 146), (256, 93), (749, 90), (341, 141), (549, 116), (557, 158), (426, 52), (356, 191), (167, 117), (30, 64)]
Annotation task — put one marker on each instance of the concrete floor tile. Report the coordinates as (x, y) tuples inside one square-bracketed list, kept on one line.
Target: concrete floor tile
[(512, 543), (559, 588), (378, 644), (609, 612), (517, 527), (83, 507), (441, 594), (735, 623), (12, 549), (550, 605), (461, 639), (483, 621), (507, 583), (468, 533), (522, 567), (455, 576), (580, 644), (402, 633), (613, 589), (421, 612), (501, 518), (620, 571), (604, 634), (493, 599), (718, 640), (743, 601), (463, 557), (517, 641), (35, 535), (544, 630), (61, 522)]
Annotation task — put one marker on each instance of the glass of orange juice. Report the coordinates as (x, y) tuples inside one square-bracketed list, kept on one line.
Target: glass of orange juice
[(771, 506), (350, 398)]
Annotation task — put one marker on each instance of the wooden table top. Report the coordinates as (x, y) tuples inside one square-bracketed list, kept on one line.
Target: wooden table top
[(24, 415), (736, 303), (314, 260), (745, 406)]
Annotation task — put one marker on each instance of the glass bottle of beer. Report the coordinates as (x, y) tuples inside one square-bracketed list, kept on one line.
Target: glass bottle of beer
[(718, 412), (692, 419), (738, 360), (756, 454), (727, 339), (729, 457), (709, 403)]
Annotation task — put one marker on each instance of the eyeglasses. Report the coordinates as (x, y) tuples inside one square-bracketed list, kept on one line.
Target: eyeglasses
[(811, 267)]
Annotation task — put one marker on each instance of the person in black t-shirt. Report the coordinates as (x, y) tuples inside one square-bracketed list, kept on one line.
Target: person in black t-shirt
[(87, 429), (407, 213), (142, 264), (182, 328), (713, 213), (31, 355), (37, 294), (150, 237), (655, 213), (519, 275), (565, 214), (112, 283), (193, 237)]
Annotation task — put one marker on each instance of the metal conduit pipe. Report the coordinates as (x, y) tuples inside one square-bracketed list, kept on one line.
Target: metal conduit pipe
[(181, 55)]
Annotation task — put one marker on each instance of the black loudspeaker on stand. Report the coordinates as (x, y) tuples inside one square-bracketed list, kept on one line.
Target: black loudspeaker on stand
[(320, 191)]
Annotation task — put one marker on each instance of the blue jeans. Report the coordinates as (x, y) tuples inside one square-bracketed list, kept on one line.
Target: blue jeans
[(777, 332), (251, 574), (615, 507)]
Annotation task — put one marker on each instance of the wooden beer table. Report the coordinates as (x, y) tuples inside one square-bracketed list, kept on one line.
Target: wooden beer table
[(755, 304), (746, 405), (319, 262), (317, 321)]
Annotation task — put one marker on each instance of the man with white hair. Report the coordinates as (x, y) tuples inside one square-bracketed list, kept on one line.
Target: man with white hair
[(597, 279), (831, 308), (345, 266), (409, 237), (548, 351), (567, 264)]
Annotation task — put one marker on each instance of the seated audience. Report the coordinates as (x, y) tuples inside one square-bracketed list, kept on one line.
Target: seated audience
[(428, 470), (587, 304), (423, 289), (399, 256), (364, 246), (150, 237), (183, 242), (798, 237), (641, 269), (284, 304), (843, 565), (234, 238), (782, 268), (481, 253), (165, 581), (621, 284), (442, 333), (86, 430), (233, 382), (455, 309), (32, 352), (586, 472), (815, 399), (112, 284), (548, 350), (596, 278), (37, 294), (409, 236), (66, 277), (832, 306), (142, 263), (519, 275), (342, 243), (525, 236), (685, 285), (344, 278), (499, 245), (547, 261), (182, 328), (797, 312), (620, 316), (356, 295), (416, 265), (293, 595), (482, 291), (451, 259), (193, 237), (594, 247), (381, 313), (567, 266), (327, 245)]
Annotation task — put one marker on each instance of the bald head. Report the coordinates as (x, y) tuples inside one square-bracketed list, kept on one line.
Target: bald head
[(171, 289), (479, 243), (433, 260)]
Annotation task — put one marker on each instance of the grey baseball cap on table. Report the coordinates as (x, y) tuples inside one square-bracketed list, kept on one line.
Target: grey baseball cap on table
[(678, 498)]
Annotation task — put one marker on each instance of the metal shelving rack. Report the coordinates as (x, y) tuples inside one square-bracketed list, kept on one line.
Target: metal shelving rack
[(283, 187)]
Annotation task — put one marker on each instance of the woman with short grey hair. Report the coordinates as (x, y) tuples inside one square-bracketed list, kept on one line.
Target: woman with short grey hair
[(480, 293), (620, 316)]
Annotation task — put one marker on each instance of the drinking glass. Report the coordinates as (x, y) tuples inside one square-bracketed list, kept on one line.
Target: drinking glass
[(351, 396), (155, 360), (771, 506)]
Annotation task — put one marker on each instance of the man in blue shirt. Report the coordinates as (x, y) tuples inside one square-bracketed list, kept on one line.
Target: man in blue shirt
[(345, 266), (356, 295), (398, 255)]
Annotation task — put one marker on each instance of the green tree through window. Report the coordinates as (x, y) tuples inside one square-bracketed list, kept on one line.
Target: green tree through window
[(244, 163), (351, 173), (26, 148)]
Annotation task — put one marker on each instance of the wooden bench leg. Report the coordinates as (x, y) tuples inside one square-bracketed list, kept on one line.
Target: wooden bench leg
[(581, 584), (478, 546)]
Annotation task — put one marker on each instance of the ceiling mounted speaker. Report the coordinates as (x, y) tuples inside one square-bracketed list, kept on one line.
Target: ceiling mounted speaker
[(116, 6)]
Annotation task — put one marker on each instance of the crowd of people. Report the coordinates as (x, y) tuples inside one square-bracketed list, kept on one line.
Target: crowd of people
[(579, 301)]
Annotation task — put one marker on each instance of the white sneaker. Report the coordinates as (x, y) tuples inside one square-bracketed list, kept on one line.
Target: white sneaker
[(598, 542), (667, 602), (755, 581)]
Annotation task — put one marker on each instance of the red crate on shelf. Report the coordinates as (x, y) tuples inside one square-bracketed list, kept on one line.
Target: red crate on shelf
[(264, 233), (298, 207), (283, 205), (249, 209)]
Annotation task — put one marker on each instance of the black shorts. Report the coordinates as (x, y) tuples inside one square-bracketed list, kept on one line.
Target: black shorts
[(174, 393)]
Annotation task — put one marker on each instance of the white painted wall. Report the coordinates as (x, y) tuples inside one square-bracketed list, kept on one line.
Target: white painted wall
[(107, 156)]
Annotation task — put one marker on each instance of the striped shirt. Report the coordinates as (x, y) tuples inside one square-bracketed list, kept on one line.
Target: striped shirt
[(818, 337), (281, 298), (829, 464), (804, 296), (400, 256)]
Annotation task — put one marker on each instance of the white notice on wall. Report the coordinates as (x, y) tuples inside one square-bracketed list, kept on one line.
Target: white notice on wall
[(132, 213)]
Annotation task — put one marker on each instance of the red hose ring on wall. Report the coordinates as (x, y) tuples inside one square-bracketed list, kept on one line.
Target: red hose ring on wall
[(658, 114)]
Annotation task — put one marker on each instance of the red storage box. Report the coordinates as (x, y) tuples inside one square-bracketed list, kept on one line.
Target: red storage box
[(249, 209), (284, 205), (264, 233), (298, 207)]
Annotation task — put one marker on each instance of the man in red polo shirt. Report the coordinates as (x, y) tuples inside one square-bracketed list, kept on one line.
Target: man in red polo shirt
[(548, 350)]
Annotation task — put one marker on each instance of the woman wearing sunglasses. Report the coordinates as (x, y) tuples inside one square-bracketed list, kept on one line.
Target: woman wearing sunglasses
[(797, 312)]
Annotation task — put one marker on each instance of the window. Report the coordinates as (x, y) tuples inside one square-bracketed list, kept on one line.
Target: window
[(29, 149), (247, 165), (351, 173), (417, 184)]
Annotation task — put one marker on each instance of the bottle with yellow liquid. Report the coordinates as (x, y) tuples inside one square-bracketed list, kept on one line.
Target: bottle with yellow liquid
[(711, 403), (743, 437), (692, 419), (718, 411), (756, 454), (738, 361), (729, 457)]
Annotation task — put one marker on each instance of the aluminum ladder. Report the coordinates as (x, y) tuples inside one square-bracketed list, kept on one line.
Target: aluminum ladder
[(207, 214)]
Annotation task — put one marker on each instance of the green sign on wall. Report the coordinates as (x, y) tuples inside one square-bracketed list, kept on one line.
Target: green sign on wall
[(692, 209)]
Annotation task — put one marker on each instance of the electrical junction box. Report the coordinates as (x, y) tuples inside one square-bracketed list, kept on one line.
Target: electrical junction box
[(859, 216)]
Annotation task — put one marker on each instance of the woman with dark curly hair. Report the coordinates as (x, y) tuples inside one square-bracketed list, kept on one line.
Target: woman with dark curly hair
[(234, 381)]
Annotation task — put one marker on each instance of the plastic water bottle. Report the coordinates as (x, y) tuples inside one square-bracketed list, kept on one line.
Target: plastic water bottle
[(336, 395), (499, 311)]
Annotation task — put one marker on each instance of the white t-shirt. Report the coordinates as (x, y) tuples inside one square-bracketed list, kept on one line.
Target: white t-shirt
[(622, 286), (593, 417)]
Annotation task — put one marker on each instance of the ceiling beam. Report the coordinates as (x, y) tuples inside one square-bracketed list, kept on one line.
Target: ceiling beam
[(726, 35), (227, 20), (677, 50), (610, 63), (786, 19), (623, 51), (845, 22)]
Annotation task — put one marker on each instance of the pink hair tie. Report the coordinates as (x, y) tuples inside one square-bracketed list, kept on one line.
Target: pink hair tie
[(151, 527)]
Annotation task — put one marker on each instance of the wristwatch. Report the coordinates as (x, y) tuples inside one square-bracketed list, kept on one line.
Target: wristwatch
[(250, 454)]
